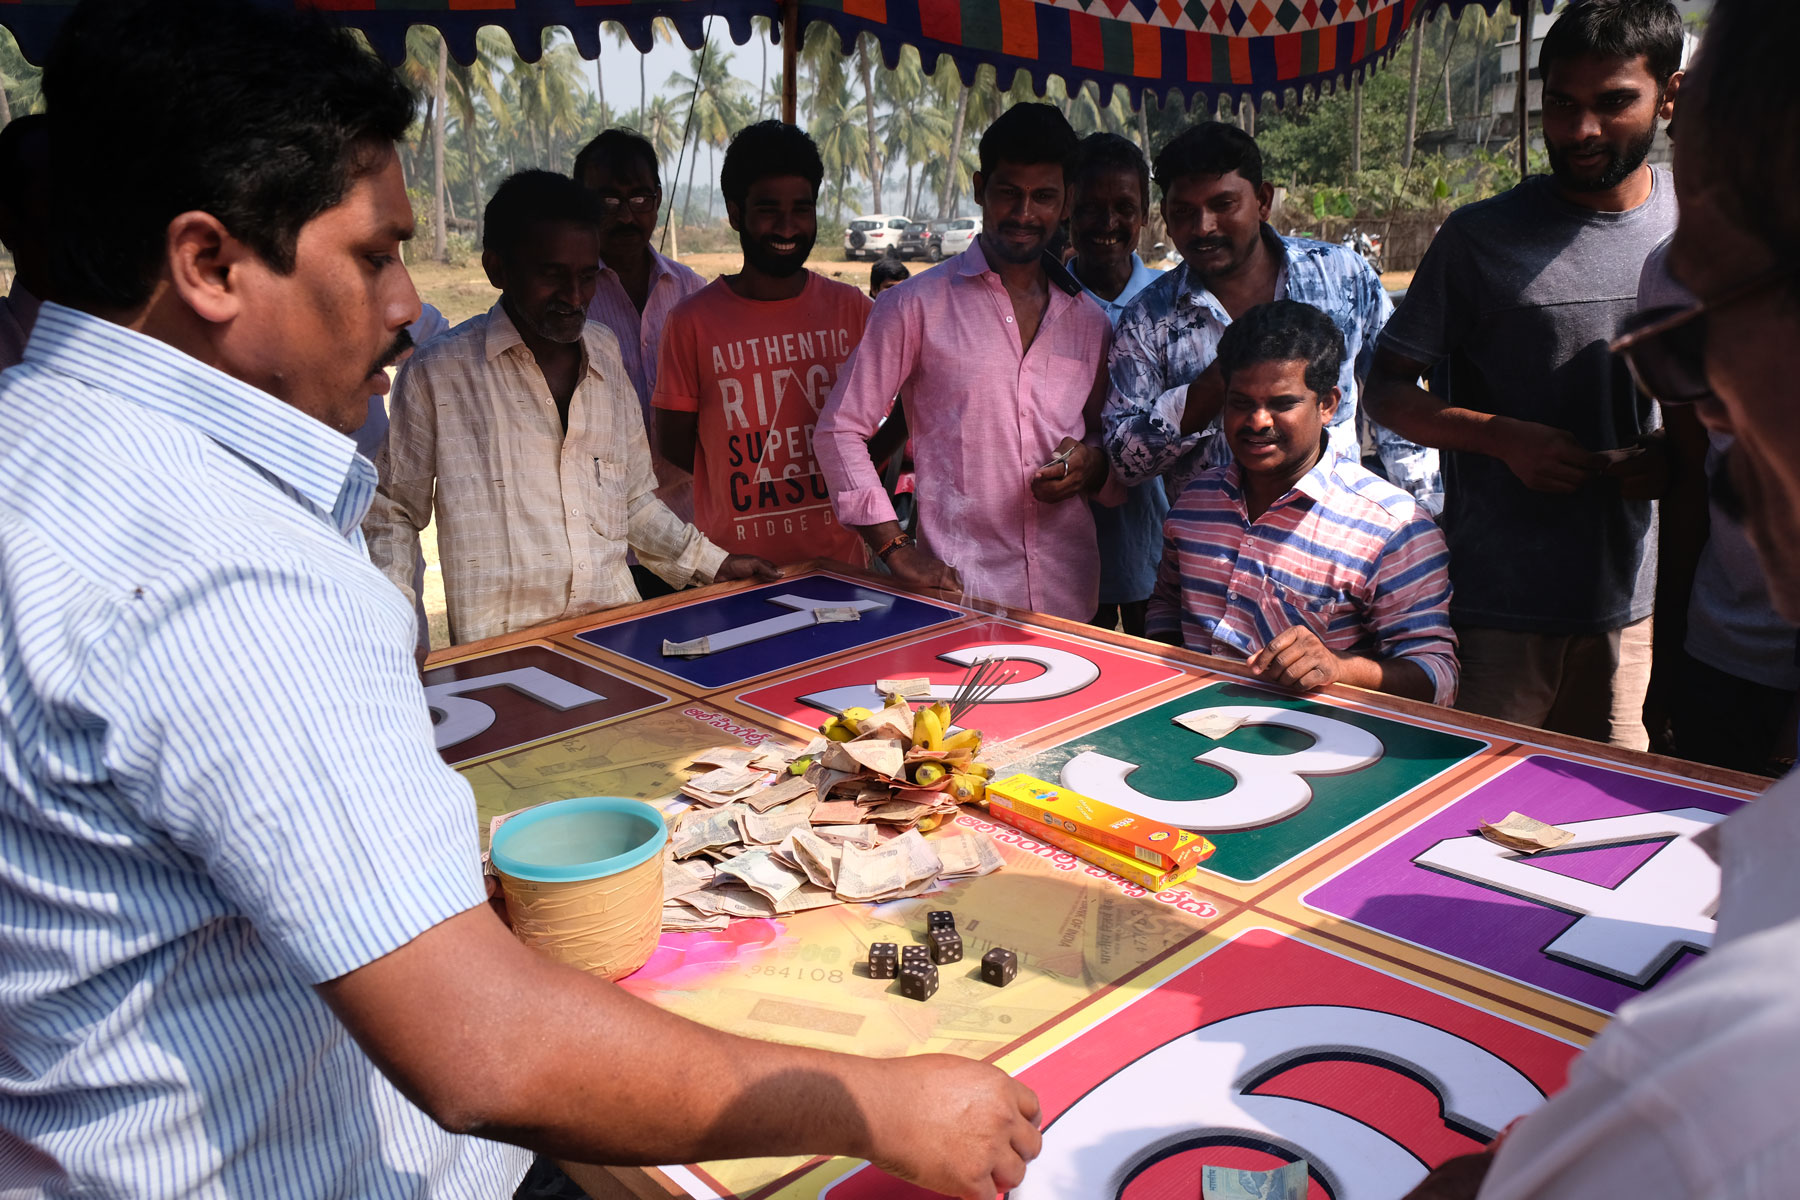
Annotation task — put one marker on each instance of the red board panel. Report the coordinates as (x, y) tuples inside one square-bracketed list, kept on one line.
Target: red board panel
[(1056, 678)]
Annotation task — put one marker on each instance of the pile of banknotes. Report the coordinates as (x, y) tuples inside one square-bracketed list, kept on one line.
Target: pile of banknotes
[(762, 840)]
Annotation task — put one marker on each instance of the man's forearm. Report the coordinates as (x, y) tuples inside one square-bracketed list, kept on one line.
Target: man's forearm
[(1395, 676), (1418, 416), (634, 1085), (1205, 399)]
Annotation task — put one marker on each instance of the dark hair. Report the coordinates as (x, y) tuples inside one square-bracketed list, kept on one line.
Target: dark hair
[(13, 166), (262, 117), (1109, 152), (766, 150), (1743, 125), (887, 270), (612, 146), (1285, 331), (1028, 134), (527, 199), (1622, 29), (1209, 149)]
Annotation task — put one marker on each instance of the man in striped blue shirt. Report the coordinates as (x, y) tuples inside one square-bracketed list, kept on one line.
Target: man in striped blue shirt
[(1293, 556), (244, 948)]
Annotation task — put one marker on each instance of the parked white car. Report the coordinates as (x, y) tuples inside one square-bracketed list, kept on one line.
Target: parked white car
[(959, 234), (874, 235)]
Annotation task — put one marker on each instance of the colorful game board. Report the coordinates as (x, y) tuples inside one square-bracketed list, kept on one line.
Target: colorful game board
[(1355, 978)]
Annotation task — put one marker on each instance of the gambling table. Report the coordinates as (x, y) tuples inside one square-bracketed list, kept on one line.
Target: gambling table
[(1356, 977)]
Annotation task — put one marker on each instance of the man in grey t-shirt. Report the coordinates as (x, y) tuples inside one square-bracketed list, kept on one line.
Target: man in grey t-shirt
[(1551, 467)]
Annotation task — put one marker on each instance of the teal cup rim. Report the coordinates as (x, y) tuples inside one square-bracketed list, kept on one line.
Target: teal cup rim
[(655, 828)]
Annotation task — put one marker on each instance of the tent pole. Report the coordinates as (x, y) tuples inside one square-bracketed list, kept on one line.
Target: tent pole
[(790, 61), (1525, 89)]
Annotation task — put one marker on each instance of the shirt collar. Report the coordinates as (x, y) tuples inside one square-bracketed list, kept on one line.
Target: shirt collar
[(1192, 291), (502, 335), (311, 459), (660, 267), (1141, 278), (1315, 485), (974, 262)]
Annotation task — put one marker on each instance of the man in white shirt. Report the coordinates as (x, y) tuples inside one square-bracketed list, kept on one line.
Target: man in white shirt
[(519, 429), (1691, 1091)]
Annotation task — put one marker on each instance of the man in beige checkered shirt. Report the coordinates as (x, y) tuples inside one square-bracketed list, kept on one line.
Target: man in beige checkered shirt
[(520, 430)]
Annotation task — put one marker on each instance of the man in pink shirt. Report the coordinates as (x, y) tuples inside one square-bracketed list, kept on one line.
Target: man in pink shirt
[(994, 356)]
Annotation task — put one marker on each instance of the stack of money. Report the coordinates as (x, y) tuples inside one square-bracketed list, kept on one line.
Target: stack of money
[(842, 821), (1525, 834)]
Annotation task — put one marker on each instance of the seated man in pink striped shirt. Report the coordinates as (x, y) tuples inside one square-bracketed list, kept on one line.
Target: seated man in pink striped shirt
[(1292, 556)]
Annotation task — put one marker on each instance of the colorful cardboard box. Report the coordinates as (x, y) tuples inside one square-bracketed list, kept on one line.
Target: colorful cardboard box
[(1122, 865), (1029, 803)]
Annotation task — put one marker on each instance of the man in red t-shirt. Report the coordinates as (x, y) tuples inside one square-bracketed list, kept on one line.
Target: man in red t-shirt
[(748, 361)]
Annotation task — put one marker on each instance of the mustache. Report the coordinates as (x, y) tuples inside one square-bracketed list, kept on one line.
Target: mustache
[(398, 349)]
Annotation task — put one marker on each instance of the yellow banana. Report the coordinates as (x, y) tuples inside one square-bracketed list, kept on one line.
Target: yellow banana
[(966, 739), (854, 717), (968, 789), (926, 774)]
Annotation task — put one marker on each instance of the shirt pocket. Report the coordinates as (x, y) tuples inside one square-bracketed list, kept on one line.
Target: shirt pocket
[(611, 506), (1322, 608)]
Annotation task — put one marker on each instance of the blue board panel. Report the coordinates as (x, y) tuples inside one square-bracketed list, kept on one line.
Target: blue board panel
[(641, 639)]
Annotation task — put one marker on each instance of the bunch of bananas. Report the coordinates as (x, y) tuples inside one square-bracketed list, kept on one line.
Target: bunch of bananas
[(937, 757)]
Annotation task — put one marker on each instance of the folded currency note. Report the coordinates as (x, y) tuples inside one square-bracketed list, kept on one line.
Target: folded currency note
[(694, 648), (1209, 722), (1520, 832), (830, 616), (1287, 1182)]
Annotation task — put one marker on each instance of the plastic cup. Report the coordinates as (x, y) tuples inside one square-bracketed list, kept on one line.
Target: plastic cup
[(583, 881)]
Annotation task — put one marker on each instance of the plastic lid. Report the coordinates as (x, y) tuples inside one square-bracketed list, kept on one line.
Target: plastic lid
[(588, 837)]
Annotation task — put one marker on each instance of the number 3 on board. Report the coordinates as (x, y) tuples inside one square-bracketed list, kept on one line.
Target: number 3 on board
[(1268, 788)]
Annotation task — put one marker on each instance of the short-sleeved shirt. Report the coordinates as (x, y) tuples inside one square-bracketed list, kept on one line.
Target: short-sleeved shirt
[(217, 790), (1520, 295), (756, 373)]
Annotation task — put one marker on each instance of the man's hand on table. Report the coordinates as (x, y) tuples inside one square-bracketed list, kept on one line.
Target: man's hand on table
[(915, 567), (1296, 658), (1082, 470), (746, 566), (954, 1126)]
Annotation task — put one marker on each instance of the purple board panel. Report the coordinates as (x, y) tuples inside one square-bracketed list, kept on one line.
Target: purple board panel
[(885, 615), (1598, 921)]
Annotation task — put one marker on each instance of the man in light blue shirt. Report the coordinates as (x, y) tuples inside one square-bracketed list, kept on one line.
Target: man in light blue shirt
[(1109, 199), (244, 944), (1161, 417)]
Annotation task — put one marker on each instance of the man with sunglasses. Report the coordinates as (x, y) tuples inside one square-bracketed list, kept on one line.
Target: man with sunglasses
[(636, 289), (1550, 464), (1692, 1090)]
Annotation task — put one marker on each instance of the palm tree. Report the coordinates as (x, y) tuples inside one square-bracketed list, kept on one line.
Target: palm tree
[(977, 105), (1412, 95), (839, 130), (912, 128), (472, 92), (712, 108), (865, 51), (660, 31)]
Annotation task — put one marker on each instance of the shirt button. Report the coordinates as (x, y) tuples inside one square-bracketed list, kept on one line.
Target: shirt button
[(574, 512), (1009, 320), (1231, 595)]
